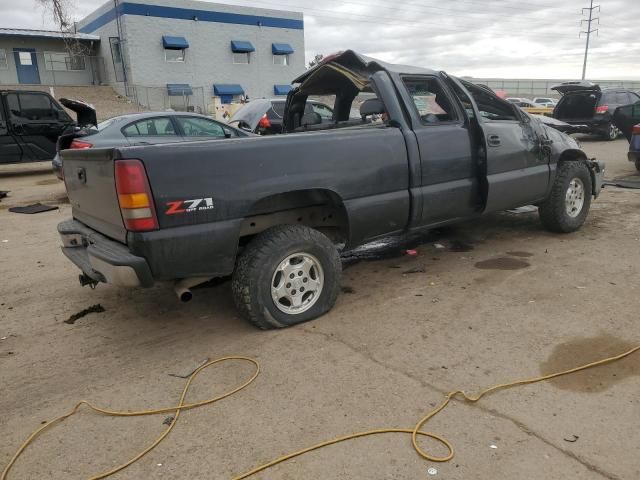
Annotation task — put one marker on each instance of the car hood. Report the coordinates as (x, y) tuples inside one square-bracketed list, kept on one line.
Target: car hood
[(85, 113), (568, 87), (626, 117), (559, 124), (251, 113)]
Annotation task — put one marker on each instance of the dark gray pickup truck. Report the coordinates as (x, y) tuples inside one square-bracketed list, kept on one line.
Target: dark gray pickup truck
[(274, 212)]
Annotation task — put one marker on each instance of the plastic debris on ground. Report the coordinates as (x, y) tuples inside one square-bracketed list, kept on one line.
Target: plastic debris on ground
[(525, 209), (35, 208)]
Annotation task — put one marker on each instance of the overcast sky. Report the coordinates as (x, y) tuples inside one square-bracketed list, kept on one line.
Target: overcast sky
[(481, 38)]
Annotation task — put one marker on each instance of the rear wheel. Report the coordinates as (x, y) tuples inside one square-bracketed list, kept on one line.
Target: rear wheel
[(286, 275), (567, 207)]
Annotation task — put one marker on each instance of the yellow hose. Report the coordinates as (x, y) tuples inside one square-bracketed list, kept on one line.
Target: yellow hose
[(415, 432)]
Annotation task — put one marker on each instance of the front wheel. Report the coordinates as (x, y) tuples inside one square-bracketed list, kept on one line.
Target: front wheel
[(611, 133), (638, 165), (286, 275), (567, 207)]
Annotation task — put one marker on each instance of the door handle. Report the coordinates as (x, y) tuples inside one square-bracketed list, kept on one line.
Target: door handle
[(494, 141)]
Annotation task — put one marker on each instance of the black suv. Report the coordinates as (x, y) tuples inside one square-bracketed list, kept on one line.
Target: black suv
[(584, 103), (30, 124)]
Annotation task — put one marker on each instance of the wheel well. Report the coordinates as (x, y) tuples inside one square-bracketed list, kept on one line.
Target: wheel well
[(572, 155), (316, 208)]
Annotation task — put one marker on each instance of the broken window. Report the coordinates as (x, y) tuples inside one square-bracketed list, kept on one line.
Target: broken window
[(490, 106)]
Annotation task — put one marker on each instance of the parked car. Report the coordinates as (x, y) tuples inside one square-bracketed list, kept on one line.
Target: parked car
[(264, 117), (546, 101), (30, 124), (518, 100), (586, 103), (142, 129), (534, 108), (275, 212), (627, 119)]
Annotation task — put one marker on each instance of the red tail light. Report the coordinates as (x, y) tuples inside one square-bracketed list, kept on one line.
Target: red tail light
[(264, 122), (602, 109), (80, 145), (636, 129), (134, 196)]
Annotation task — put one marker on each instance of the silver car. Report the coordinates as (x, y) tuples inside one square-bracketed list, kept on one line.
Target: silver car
[(145, 129)]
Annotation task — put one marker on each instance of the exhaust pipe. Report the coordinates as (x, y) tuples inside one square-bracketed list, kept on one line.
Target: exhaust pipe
[(183, 287)]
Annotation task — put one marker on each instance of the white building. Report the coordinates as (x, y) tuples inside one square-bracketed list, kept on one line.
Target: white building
[(175, 49)]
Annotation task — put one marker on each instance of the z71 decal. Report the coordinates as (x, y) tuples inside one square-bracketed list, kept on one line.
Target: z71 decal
[(189, 206)]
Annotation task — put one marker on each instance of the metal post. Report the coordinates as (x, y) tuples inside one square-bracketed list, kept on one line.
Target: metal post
[(588, 33)]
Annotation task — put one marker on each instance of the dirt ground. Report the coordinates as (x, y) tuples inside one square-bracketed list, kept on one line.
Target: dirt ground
[(503, 300)]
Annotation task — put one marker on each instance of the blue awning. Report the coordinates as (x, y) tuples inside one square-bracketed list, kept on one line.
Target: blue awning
[(179, 89), (174, 43), (281, 48), (240, 46), (281, 89), (227, 89)]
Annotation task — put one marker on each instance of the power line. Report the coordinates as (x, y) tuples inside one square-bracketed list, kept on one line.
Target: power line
[(589, 31), (354, 17)]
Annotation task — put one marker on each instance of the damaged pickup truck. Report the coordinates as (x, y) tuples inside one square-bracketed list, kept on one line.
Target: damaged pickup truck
[(274, 212)]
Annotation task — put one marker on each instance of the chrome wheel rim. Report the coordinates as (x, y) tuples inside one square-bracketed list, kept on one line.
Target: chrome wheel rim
[(297, 283), (574, 199)]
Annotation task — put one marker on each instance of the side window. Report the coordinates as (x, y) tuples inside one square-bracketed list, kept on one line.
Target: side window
[(431, 101), (150, 127), (200, 127), (325, 112), (14, 105), (31, 107), (491, 107)]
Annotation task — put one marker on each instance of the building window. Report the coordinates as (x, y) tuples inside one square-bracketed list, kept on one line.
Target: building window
[(241, 58), (25, 58), (281, 60), (3, 59), (174, 56), (62, 62)]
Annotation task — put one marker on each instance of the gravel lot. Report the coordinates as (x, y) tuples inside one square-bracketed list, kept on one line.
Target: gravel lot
[(503, 300)]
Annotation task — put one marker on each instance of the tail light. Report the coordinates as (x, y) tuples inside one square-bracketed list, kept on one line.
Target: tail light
[(602, 109), (264, 122), (636, 129), (134, 196), (80, 145)]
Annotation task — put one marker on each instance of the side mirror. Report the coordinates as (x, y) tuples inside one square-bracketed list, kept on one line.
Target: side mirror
[(227, 133)]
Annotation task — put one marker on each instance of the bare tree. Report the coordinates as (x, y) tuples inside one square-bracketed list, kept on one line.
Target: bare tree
[(59, 10)]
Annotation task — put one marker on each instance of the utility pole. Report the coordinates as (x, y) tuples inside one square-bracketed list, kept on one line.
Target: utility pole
[(589, 31)]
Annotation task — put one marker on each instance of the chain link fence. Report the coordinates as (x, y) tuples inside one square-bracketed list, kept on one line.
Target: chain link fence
[(542, 88), (158, 98)]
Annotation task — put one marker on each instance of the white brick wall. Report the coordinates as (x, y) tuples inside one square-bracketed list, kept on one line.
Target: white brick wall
[(209, 59)]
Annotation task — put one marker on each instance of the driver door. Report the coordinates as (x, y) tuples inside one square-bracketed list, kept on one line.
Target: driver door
[(10, 150), (517, 167)]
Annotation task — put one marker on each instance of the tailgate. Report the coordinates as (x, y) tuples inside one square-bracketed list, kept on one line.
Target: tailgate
[(91, 187)]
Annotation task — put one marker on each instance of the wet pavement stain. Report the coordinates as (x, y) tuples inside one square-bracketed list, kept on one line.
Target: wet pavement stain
[(581, 351), (460, 246), (502, 263), (520, 254)]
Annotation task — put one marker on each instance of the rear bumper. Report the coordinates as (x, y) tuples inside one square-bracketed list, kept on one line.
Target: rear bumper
[(103, 259), (590, 125)]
